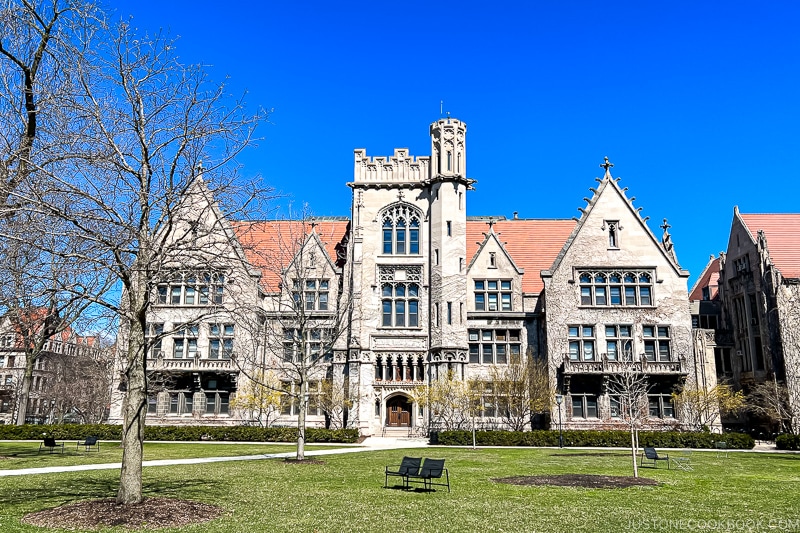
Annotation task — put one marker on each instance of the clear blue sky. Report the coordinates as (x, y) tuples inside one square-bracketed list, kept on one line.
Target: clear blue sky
[(696, 103)]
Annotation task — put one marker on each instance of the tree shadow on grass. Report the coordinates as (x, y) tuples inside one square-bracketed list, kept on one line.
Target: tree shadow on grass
[(88, 487)]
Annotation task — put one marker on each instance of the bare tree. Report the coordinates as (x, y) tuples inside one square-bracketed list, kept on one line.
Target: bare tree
[(131, 194), (523, 389), (770, 399), (306, 317), (629, 387), (44, 292), (701, 408), (335, 402), (80, 385), (451, 402), (260, 403), (39, 48), (41, 291)]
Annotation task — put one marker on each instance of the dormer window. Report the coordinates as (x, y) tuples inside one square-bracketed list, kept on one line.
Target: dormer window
[(400, 228)]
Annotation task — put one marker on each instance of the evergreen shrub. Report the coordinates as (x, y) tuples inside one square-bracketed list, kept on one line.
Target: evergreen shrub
[(605, 438), (787, 441), (177, 433)]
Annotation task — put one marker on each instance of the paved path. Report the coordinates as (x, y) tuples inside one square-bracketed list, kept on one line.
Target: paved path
[(369, 444)]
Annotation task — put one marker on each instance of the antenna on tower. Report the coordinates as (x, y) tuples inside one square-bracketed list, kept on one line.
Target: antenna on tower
[(441, 108)]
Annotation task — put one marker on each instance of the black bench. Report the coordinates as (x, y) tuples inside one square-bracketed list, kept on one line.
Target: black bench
[(408, 466), (89, 443), (431, 469), (650, 454), (50, 442)]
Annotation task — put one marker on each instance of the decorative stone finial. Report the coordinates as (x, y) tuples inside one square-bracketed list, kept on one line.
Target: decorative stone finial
[(666, 241), (607, 166)]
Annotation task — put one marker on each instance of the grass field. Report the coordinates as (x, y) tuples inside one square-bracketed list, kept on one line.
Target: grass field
[(24, 454), (743, 492)]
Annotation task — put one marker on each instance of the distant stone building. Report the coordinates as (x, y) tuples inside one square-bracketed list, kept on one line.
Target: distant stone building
[(52, 367), (759, 295), (430, 294)]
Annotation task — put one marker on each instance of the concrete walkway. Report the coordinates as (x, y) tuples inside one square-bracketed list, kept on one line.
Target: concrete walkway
[(369, 444)]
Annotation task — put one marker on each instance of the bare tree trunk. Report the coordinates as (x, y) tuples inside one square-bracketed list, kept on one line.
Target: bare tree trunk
[(633, 453), (301, 421), (25, 391), (134, 412)]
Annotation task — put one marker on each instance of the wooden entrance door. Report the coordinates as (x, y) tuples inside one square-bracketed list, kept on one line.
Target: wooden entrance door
[(399, 412)]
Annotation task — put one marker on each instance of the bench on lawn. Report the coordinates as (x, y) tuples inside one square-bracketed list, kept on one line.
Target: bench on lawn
[(408, 466), (650, 454), (432, 469), (89, 443), (50, 442)]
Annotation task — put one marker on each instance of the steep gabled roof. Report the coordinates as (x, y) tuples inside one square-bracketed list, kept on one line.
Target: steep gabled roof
[(782, 231), (270, 245), (709, 278), (609, 185), (531, 244)]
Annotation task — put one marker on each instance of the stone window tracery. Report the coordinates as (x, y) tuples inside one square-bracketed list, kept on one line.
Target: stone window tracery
[(400, 227), (616, 288)]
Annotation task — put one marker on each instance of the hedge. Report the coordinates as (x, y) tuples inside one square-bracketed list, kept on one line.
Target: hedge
[(177, 433), (787, 441), (606, 438)]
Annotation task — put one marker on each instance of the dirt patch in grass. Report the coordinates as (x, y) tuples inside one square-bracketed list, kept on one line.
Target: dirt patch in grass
[(580, 480), (151, 513), (294, 461)]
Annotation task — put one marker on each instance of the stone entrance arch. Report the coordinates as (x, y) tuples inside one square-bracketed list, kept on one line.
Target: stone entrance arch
[(398, 411)]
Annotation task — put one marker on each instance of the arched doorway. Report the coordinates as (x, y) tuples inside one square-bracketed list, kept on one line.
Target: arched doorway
[(398, 412)]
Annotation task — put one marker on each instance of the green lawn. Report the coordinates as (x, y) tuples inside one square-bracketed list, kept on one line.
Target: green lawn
[(744, 492), (21, 454)]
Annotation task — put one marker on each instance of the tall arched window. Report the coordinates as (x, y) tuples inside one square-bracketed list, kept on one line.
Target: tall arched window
[(400, 305), (400, 226)]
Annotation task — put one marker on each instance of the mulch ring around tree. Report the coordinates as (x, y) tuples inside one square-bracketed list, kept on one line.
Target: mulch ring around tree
[(580, 480), (151, 513)]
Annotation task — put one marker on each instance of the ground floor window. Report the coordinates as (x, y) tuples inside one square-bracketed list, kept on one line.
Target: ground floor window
[(584, 406), (661, 406), (181, 403), (217, 403), (152, 404)]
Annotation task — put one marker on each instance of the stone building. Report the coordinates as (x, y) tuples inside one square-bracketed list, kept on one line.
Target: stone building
[(759, 295), (54, 371), (616, 298), (429, 294)]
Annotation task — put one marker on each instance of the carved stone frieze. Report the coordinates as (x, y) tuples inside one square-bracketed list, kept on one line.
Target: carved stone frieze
[(403, 343)]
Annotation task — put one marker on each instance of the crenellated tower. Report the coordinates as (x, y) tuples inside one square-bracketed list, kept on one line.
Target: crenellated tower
[(448, 186)]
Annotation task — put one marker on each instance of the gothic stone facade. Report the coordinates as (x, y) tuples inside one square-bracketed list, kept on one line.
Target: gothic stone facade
[(759, 294), (432, 293)]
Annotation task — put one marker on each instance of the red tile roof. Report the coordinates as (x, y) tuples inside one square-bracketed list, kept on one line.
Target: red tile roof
[(270, 245), (783, 239), (710, 279), (532, 244)]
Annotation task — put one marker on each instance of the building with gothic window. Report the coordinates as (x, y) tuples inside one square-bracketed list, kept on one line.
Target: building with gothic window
[(430, 294)]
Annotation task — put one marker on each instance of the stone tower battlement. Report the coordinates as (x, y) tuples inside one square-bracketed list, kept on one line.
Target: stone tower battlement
[(399, 168)]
